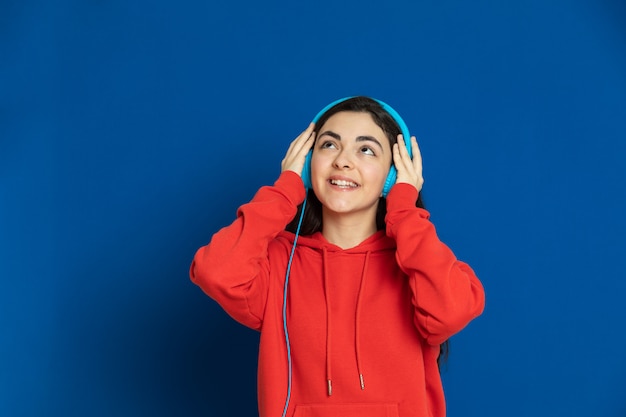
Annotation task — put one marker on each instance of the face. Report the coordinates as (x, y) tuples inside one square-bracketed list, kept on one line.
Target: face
[(350, 163)]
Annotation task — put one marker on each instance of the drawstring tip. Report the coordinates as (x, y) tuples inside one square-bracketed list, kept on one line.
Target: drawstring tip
[(362, 383), (330, 388)]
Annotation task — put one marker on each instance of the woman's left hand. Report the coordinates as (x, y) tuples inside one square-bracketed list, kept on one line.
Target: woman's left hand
[(409, 171)]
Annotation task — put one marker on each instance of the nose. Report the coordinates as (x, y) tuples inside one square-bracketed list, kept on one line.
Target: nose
[(343, 160)]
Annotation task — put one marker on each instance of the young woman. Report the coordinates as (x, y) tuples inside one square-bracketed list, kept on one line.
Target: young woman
[(372, 292)]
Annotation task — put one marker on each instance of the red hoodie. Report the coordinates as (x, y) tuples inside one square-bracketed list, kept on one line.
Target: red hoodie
[(365, 323)]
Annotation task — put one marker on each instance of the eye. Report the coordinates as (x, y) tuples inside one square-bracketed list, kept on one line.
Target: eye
[(328, 145), (368, 151)]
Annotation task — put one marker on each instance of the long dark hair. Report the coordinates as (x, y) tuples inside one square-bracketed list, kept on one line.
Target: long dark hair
[(312, 219)]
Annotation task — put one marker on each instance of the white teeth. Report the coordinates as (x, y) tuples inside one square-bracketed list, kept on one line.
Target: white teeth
[(342, 183)]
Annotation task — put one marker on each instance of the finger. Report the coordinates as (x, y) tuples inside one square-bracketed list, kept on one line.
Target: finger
[(417, 155), (402, 145), (397, 157), (296, 154), (296, 144), (305, 138), (308, 142), (306, 133), (403, 154), (417, 163), (398, 161)]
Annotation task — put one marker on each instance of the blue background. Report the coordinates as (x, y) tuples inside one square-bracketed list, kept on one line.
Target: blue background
[(131, 131)]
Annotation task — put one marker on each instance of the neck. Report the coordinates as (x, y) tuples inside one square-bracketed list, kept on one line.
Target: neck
[(347, 231)]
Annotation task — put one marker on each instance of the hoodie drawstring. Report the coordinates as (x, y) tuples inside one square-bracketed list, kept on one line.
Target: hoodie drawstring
[(356, 323), (328, 324)]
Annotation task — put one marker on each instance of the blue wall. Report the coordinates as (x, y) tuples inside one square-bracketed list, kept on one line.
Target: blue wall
[(129, 133)]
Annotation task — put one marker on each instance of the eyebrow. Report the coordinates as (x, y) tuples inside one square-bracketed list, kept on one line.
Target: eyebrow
[(365, 138)]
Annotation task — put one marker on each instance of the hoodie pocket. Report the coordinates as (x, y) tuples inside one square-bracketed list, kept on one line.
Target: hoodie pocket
[(347, 410)]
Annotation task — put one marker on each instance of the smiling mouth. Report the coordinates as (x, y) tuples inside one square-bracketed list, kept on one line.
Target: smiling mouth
[(343, 183)]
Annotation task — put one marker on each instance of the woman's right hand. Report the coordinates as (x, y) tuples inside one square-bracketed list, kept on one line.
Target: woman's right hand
[(296, 154)]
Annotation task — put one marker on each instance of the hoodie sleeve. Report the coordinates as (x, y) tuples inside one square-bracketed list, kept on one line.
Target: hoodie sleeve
[(446, 293), (233, 268)]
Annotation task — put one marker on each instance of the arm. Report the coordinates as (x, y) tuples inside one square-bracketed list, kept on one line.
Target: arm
[(233, 268), (446, 292)]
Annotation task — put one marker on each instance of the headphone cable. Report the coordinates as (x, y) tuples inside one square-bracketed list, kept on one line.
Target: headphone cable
[(293, 249)]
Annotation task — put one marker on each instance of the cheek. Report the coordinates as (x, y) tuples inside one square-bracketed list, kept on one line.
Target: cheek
[(320, 161), (377, 172), (314, 164)]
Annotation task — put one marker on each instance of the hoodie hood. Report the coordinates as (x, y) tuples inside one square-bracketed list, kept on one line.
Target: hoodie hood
[(379, 241)]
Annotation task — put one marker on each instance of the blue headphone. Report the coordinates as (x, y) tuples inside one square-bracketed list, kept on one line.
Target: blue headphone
[(391, 178)]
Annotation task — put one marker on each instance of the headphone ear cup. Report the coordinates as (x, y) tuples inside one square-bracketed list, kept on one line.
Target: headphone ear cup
[(390, 181), (306, 171)]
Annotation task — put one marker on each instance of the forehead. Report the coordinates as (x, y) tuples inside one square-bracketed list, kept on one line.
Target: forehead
[(352, 124)]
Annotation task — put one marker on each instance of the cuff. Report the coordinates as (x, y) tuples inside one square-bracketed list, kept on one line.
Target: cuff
[(401, 196), (290, 183)]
